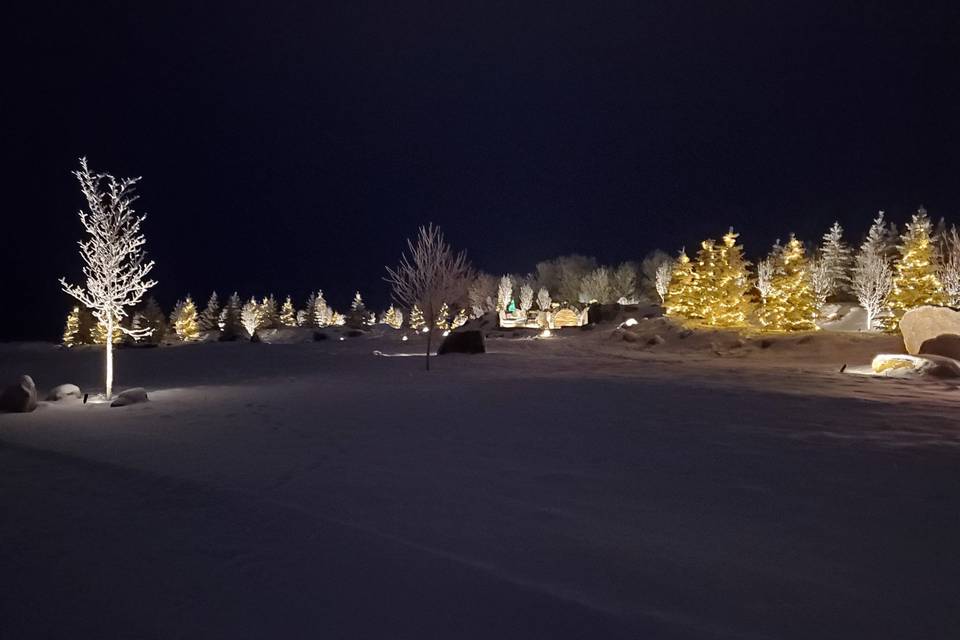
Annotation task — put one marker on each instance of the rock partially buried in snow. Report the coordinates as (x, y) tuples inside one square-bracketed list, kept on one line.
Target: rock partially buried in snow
[(900, 365), (946, 345), (65, 392), (20, 397), (130, 396), (926, 322)]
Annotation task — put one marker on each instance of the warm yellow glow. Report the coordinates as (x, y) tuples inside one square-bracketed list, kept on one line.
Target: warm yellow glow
[(185, 321), (915, 282), (791, 304)]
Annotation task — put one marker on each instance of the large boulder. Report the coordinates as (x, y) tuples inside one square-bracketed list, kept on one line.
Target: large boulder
[(900, 365), (20, 397), (135, 395), (65, 392), (463, 342), (926, 322)]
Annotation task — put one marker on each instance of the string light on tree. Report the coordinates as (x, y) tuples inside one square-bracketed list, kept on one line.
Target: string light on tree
[(915, 280), (790, 305), (185, 321), (288, 314)]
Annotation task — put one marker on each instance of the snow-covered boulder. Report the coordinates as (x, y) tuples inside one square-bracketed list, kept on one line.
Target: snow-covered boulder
[(135, 395), (926, 322), (20, 397), (65, 392), (900, 365)]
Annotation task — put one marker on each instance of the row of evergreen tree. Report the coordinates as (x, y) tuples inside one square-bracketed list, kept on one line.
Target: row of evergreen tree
[(789, 289), (235, 319)]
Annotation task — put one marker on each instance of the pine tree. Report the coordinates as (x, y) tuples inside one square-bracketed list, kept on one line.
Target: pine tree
[(288, 315), (393, 317), (707, 272), (790, 305), (323, 315), (459, 320), (359, 316), (98, 333), (210, 316), (269, 316), (153, 320), (250, 317), (72, 329), (443, 317), (730, 305), (184, 321), (915, 280), (416, 318), (230, 321), (837, 258), (682, 296)]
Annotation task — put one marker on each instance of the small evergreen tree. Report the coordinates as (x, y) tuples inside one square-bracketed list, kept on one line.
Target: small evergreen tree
[(915, 280), (184, 320), (72, 329), (730, 305), (543, 299), (443, 317), (393, 317), (211, 314), (288, 315), (230, 321), (250, 317), (790, 305), (683, 296), (416, 318)]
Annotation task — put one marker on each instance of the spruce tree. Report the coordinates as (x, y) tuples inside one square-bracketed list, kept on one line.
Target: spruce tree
[(682, 296), (915, 280), (230, 321), (837, 259), (730, 305), (790, 305), (416, 318), (393, 317), (154, 320), (209, 318), (288, 315), (310, 311), (185, 321), (269, 315), (443, 318), (72, 329)]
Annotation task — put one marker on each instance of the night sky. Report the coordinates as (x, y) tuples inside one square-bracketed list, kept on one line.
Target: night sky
[(290, 146)]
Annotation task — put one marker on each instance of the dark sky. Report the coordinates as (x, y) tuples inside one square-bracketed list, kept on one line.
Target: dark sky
[(288, 146)]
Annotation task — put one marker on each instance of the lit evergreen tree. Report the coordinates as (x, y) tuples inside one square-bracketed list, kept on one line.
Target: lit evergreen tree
[(915, 280), (416, 318), (184, 320), (393, 317), (729, 305), (443, 317), (72, 329), (790, 305), (683, 295), (288, 315)]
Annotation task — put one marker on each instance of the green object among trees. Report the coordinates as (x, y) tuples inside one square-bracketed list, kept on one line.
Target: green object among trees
[(512, 307)]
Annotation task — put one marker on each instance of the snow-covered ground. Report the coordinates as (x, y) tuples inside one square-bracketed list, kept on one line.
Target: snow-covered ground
[(589, 485)]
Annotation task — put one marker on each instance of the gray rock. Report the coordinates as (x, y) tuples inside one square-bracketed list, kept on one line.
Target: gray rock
[(944, 345), (657, 339), (65, 392), (926, 322), (130, 396), (20, 397)]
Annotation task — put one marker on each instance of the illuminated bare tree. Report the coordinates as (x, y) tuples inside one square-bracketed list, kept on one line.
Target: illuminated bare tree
[(949, 267), (872, 275), (430, 275), (662, 278), (115, 270)]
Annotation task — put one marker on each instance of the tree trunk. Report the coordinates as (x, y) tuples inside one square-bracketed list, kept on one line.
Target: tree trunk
[(429, 336), (109, 358)]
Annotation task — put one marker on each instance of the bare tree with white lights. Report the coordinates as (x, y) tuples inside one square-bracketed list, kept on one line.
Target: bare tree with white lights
[(430, 275), (116, 271)]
